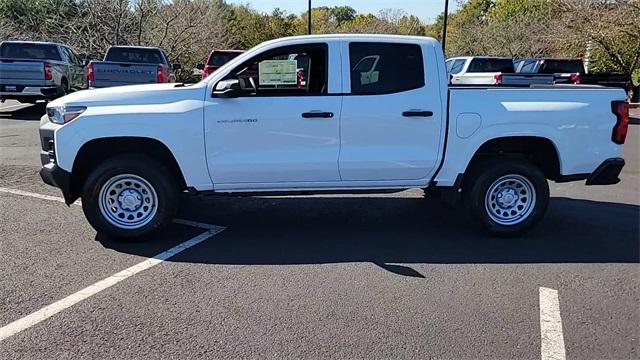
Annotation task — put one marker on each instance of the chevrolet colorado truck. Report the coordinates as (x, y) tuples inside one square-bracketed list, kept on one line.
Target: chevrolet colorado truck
[(252, 128)]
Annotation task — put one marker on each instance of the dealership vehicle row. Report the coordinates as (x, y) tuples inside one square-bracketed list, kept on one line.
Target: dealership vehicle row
[(32, 71), (376, 276)]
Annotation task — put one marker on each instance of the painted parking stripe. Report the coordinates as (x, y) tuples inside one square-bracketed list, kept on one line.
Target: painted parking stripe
[(50, 310), (14, 107), (195, 224), (33, 195), (59, 199), (552, 339)]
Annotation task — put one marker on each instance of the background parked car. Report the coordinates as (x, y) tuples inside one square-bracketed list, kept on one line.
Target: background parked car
[(129, 65), (477, 70), (31, 71), (571, 71), (216, 59), (488, 70)]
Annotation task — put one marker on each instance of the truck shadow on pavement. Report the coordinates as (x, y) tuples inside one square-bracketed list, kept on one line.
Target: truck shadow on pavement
[(390, 231), (27, 113)]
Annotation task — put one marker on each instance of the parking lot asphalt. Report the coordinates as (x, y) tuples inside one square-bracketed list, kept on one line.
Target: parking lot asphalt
[(392, 276)]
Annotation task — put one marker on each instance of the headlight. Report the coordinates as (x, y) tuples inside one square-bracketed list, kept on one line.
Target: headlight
[(64, 114)]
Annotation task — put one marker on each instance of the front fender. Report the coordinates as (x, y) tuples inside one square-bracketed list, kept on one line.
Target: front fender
[(177, 125)]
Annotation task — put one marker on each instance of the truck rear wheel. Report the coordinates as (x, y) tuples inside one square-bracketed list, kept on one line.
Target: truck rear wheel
[(506, 196), (129, 196), (63, 89)]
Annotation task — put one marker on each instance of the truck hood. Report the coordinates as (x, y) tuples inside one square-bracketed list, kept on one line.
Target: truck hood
[(132, 95)]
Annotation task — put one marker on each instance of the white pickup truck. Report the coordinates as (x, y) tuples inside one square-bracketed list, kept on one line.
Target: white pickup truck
[(296, 115)]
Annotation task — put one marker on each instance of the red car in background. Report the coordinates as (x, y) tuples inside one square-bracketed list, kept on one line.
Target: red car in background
[(216, 59)]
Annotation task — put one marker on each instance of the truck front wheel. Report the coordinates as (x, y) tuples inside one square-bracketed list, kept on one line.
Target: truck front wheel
[(507, 196), (129, 196)]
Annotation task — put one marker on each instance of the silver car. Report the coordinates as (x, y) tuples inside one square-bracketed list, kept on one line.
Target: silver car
[(31, 71)]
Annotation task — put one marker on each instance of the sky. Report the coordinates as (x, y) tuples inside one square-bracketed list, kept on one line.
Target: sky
[(426, 10)]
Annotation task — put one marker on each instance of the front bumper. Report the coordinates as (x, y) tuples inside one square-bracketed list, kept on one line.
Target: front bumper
[(53, 175), (607, 173), (50, 172)]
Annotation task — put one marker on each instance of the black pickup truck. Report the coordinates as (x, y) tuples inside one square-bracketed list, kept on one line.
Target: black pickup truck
[(571, 71)]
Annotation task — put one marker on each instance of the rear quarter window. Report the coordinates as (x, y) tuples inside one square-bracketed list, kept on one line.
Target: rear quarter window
[(30, 51), (488, 65)]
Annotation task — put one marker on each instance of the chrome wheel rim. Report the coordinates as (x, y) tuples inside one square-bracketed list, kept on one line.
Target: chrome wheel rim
[(128, 201), (510, 199)]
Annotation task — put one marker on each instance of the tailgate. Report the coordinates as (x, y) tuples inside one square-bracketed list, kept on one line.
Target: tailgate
[(22, 72), (115, 74), (527, 79)]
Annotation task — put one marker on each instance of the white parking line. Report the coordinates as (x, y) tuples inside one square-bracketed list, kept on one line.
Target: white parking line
[(50, 310), (59, 199), (195, 224), (10, 107), (552, 344), (34, 195)]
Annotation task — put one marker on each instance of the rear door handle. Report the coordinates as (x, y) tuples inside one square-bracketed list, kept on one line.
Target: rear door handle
[(317, 114), (417, 113)]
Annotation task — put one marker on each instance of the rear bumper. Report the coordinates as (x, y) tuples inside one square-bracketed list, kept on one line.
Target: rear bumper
[(29, 92), (53, 175), (607, 173)]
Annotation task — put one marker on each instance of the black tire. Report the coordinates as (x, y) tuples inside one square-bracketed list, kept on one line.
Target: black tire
[(528, 183), (63, 89), (130, 166)]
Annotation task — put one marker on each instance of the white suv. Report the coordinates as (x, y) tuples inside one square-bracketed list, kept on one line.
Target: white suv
[(478, 70)]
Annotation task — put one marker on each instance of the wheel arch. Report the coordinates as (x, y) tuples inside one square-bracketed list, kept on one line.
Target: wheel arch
[(540, 150), (96, 151)]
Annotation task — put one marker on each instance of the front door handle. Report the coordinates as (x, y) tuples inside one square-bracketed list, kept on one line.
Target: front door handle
[(317, 114), (416, 113)]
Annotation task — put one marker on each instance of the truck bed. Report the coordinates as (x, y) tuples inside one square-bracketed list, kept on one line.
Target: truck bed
[(573, 117)]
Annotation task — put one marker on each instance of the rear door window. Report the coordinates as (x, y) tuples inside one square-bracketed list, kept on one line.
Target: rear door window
[(30, 51), (134, 55), (449, 64), (385, 68), (491, 65)]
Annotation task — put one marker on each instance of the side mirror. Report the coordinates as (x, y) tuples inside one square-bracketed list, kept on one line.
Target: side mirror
[(176, 67), (200, 66), (227, 89)]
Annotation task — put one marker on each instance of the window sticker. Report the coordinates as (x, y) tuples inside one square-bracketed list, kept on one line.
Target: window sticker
[(367, 69), (278, 72)]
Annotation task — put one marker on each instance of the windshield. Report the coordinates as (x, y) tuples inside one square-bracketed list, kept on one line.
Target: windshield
[(29, 51), (134, 55)]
